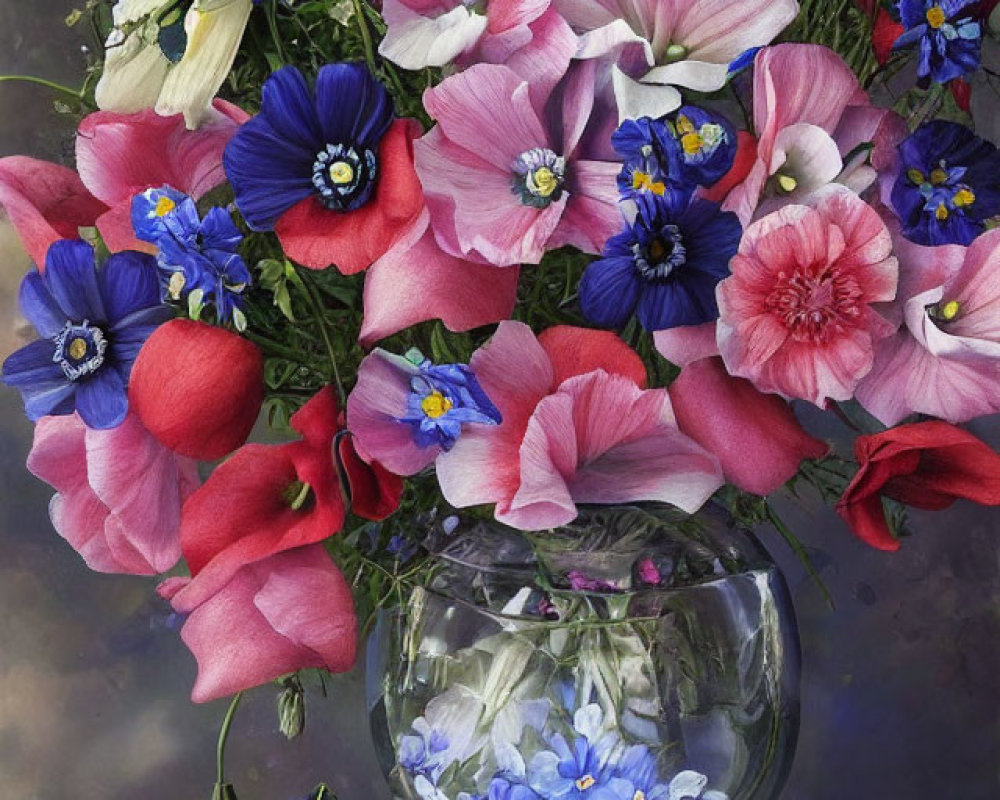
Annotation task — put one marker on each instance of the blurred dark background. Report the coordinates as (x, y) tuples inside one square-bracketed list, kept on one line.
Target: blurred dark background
[(901, 684)]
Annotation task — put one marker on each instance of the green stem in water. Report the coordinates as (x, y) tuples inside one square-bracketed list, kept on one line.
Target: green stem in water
[(220, 753), (366, 34), (56, 87)]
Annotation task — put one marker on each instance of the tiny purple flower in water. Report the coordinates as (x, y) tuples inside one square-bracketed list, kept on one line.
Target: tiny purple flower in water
[(648, 572), (580, 582)]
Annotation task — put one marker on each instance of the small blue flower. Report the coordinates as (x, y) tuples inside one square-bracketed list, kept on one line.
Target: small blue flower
[(948, 36), (442, 399), (422, 754), (948, 186), (638, 767), (304, 143), (195, 255), (92, 323), (664, 266)]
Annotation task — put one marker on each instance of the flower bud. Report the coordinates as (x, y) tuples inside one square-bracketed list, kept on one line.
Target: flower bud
[(292, 708)]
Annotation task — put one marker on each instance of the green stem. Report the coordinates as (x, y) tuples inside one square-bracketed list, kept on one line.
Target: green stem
[(56, 87), (366, 34), (220, 752), (799, 551), (272, 25), (316, 304)]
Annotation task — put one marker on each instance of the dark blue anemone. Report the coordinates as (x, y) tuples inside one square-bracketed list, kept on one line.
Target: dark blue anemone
[(92, 323), (664, 267), (947, 34), (303, 143), (692, 147), (948, 185)]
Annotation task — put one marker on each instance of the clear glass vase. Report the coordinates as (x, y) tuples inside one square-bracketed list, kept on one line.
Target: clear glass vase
[(637, 654)]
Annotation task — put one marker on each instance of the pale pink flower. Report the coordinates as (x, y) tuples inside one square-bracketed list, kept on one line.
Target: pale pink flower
[(119, 492), (658, 44), (578, 427), (795, 315), (945, 360), (503, 186), (288, 612), (804, 135)]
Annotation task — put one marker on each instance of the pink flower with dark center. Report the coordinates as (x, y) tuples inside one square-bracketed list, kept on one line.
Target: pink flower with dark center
[(796, 316)]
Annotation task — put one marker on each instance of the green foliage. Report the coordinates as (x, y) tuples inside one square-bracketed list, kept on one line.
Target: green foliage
[(840, 25)]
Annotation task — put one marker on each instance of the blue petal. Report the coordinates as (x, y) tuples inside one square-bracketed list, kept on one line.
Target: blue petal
[(219, 231), (354, 108), (102, 400), (31, 364), (609, 291), (287, 104), (71, 275), (130, 282), (39, 307), (128, 341)]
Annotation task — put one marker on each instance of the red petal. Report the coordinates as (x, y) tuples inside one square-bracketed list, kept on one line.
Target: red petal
[(746, 156), (375, 492), (577, 351), (884, 35), (317, 237), (961, 90), (197, 388)]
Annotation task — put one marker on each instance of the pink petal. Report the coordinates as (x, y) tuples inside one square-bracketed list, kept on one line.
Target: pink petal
[(755, 436), (688, 343), (413, 284), (592, 214), (414, 40), (576, 351), (718, 31), (976, 287)]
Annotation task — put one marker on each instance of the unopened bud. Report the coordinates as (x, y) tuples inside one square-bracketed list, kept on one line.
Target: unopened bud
[(292, 708)]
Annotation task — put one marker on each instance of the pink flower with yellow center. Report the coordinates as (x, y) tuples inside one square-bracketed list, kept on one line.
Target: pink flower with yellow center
[(796, 316)]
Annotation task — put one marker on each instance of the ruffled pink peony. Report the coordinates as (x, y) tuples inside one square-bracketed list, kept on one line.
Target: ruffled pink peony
[(945, 360), (120, 155), (755, 436), (796, 315), (119, 493), (288, 612), (805, 134), (577, 428), (658, 45), (502, 187)]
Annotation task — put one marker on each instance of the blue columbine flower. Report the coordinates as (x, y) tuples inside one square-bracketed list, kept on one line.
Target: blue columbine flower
[(442, 399), (92, 323), (948, 186), (949, 37), (304, 144), (198, 258), (664, 266), (692, 147)]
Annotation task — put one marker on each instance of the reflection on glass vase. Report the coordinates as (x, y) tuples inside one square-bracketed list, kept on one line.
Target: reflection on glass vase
[(637, 654)]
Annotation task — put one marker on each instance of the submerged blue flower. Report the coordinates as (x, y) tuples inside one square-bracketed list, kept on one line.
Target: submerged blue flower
[(664, 267), (690, 148), (92, 323), (321, 144), (442, 399), (947, 34), (948, 186), (638, 767)]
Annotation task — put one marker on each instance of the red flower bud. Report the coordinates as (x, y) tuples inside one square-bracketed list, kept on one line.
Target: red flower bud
[(197, 388)]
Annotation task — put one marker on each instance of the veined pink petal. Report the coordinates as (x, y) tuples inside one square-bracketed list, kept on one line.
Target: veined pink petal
[(413, 284), (592, 215)]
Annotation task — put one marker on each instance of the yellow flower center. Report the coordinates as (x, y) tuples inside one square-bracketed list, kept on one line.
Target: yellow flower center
[(176, 285), (941, 212), (164, 206), (639, 795), (949, 311), (964, 198), (787, 183), (585, 782), (435, 405), (77, 349), (939, 177), (644, 181), (341, 172), (936, 17), (916, 177), (546, 182)]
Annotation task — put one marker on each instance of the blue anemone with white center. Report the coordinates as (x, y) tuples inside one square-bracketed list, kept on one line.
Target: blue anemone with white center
[(948, 35), (91, 323), (664, 266), (948, 186), (320, 143)]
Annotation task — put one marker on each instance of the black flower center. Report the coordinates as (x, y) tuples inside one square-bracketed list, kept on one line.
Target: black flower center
[(660, 256)]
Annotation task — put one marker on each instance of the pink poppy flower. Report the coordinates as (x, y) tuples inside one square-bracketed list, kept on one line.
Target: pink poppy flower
[(119, 493), (501, 186), (945, 360), (755, 436), (120, 155), (288, 612), (659, 45), (578, 427), (795, 315), (804, 135)]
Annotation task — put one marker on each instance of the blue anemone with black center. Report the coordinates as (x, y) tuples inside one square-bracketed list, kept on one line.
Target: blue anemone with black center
[(692, 147), (320, 143), (91, 323), (948, 185), (947, 34), (664, 267), (442, 399), (195, 254)]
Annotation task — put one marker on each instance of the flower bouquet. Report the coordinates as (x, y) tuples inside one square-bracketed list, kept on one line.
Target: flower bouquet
[(521, 299)]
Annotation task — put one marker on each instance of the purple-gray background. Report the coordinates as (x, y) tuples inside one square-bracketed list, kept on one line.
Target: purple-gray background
[(901, 684)]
